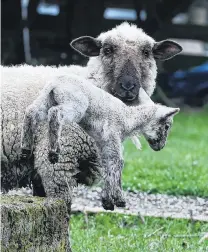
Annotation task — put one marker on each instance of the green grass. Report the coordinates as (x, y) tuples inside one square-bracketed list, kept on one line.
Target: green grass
[(180, 168), (120, 233)]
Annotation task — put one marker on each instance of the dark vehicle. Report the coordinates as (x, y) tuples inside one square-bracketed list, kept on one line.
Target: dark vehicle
[(192, 85)]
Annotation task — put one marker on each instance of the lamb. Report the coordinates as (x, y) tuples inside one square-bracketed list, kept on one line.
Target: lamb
[(80, 157), (105, 118)]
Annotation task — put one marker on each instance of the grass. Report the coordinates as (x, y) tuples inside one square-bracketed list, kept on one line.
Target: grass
[(181, 168), (119, 233)]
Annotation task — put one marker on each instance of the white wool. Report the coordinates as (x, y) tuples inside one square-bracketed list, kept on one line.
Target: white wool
[(126, 32)]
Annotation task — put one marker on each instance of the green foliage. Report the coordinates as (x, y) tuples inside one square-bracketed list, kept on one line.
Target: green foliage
[(119, 233), (180, 168)]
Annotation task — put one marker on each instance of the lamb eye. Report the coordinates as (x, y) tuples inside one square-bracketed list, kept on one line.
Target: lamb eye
[(107, 51), (167, 127), (146, 53)]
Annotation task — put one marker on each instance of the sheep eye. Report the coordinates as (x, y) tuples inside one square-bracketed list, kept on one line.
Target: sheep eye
[(146, 53), (167, 127), (107, 51)]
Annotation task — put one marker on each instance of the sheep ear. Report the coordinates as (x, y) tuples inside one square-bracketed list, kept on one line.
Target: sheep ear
[(87, 46), (172, 112), (144, 97), (165, 112), (166, 49)]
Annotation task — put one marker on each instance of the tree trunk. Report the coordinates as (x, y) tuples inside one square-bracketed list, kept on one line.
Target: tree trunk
[(34, 224)]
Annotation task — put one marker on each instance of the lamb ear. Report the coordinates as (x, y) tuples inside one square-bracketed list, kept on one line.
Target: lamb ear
[(166, 49), (164, 112), (144, 97), (87, 46), (170, 112)]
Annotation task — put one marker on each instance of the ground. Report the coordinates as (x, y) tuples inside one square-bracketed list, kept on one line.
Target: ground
[(179, 169)]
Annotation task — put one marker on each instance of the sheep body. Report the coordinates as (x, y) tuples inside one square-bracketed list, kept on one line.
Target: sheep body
[(105, 118), (80, 152)]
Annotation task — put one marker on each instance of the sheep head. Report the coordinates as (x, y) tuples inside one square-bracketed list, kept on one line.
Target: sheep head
[(125, 58)]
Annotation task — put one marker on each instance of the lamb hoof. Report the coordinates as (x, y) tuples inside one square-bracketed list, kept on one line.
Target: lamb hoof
[(53, 157), (107, 205), (120, 203), (25, 154)]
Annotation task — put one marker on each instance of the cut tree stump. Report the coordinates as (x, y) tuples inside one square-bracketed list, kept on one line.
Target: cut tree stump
[(34, 224)]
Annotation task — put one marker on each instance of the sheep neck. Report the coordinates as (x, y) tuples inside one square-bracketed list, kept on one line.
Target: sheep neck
[(138, 117), (96, 73)]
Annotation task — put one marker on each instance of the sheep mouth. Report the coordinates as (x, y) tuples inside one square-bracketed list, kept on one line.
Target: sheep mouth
[(127, 97), (155, 145)]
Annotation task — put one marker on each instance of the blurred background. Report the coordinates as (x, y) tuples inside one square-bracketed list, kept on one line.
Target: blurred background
[(39, 31)]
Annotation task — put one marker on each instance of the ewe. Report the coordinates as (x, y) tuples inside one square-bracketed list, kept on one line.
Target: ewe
[(123, 60), (105, 118)]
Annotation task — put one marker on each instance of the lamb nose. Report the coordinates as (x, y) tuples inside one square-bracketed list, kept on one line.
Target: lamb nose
[(128, 85)]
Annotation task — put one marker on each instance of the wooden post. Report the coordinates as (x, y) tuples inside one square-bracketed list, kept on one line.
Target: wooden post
[(34, 224)]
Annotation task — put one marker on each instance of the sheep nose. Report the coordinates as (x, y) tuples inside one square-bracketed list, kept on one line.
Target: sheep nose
[(127, 83)]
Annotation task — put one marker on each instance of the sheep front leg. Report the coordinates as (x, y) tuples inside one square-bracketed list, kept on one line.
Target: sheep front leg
[(113, 163), (112, 193), (57, 115)]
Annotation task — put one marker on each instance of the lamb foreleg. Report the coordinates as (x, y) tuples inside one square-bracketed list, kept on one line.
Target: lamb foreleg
[(112, 161)]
